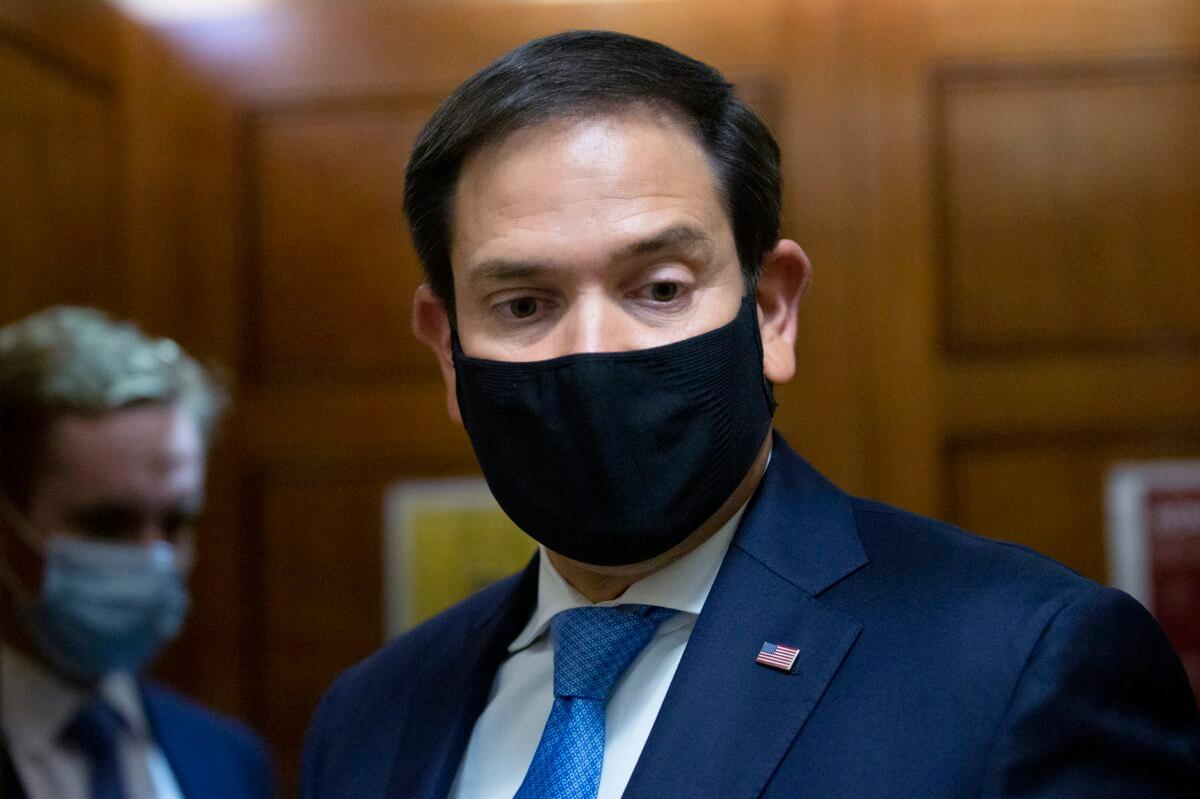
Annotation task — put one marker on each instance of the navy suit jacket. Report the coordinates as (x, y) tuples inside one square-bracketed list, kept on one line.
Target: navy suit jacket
[(211, 757), (932, 664)]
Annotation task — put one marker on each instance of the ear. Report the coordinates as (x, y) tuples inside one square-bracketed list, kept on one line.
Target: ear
[(785, 277), (431, 324)]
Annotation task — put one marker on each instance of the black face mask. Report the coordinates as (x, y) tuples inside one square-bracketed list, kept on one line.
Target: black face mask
[(614, 458)]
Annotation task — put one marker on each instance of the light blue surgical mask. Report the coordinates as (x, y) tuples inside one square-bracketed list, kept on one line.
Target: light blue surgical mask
[(103, 607)]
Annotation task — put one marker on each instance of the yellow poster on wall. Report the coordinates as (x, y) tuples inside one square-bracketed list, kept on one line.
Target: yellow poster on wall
[(444, 540)]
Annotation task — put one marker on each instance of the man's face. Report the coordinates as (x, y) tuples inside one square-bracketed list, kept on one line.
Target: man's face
[(603, 234), (135, 475)]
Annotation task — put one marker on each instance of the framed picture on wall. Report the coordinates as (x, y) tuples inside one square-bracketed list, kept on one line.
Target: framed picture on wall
[(444, 540), (1154, 547)]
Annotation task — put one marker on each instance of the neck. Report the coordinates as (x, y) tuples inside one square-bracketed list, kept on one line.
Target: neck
[(603, 583)]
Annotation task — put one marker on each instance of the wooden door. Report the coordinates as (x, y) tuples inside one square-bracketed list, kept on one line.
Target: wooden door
[(61, 157), (1033, 285)]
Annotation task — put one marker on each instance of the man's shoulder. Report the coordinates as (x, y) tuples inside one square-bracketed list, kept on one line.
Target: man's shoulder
[(442, 636), (929, 550), (172, 712), (879, 547), (211, 753), (359, 723), (927, 581)]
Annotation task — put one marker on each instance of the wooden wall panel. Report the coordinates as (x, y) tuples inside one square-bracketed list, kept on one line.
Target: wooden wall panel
[(1099, 393), (1012, 241), (318, 570), (184, 220), (1046, 491), (1070, 205), (317, 573), (333, 272), (78, 35), (61, 163)]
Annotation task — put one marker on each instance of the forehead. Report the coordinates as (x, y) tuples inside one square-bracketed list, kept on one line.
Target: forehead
[(614, 176), (123, 452)]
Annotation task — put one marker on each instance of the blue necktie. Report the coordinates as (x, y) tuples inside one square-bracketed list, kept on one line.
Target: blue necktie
[(94, 732), (592, 648)]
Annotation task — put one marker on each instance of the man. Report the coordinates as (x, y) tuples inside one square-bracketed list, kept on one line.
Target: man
[(610, 303), (103, 438)]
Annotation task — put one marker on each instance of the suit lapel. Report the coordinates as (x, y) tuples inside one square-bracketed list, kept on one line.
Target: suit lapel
[(447, 703), (176, 745), (726, 721)]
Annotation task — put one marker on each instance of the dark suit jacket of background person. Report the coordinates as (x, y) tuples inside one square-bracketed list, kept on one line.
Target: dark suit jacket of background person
[(211, 757), (932, 664)]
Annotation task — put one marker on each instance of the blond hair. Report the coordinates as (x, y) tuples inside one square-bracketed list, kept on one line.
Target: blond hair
[(67, 361)]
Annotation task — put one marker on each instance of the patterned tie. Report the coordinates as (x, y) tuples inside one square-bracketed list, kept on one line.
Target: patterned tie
[(94, 732), (592, 648)]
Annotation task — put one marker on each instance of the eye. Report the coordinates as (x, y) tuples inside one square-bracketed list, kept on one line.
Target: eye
[(523, 307), (108, 522), (178, 523), (664, 291)]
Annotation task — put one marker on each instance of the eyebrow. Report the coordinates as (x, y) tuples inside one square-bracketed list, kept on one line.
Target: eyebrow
[(679, 238), (684, 238), (501, 269)]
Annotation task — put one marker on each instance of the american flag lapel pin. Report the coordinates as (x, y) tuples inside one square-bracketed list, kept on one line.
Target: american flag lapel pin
[(777, 656)]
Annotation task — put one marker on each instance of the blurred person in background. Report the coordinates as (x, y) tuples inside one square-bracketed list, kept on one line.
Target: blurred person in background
[(610, 302), (103, 441)]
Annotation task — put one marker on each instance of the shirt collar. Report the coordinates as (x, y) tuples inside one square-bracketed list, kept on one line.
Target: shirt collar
[(38, 704), (682, 585)]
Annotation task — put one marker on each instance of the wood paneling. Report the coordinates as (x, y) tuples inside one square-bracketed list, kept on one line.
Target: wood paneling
[(821, 123), (184, 220), (298, 51), (1070, 206), (1047, 491), (79, 36), (1033, 218), (61, 171), (1110, 392), (318, 591), (333, 272), (318, 572), (362, 419)]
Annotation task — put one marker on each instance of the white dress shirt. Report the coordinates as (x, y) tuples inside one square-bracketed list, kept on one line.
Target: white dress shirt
[(36, 705), (510, 727)]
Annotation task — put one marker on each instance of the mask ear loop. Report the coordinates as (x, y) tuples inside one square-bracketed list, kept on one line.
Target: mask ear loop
[(456, 349), (768, 389), (183, 552)]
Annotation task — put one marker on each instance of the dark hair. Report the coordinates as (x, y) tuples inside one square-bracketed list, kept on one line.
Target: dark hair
[(587, 73)]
